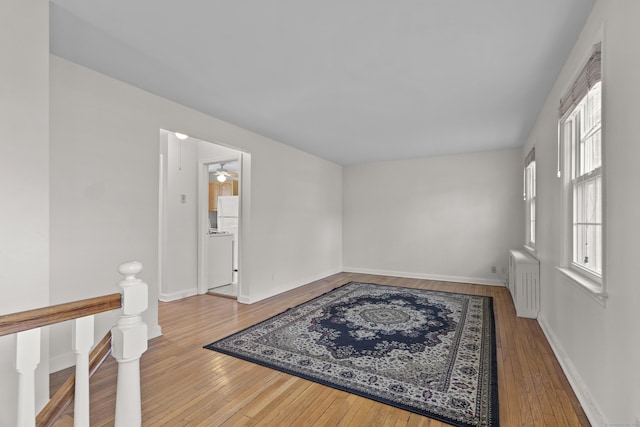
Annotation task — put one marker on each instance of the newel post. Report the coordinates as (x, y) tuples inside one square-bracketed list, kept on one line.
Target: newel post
[(129, 341)]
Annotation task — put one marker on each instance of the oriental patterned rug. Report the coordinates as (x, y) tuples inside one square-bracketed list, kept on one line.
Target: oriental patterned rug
[(429, 352)]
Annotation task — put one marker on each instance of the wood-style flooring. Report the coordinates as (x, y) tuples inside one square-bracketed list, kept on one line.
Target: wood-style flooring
[(186, 385)]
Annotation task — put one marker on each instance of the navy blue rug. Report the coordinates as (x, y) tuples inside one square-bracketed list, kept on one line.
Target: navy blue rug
[(428, 352)]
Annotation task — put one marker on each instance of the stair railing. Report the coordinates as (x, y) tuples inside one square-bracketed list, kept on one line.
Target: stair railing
[(128, 340)]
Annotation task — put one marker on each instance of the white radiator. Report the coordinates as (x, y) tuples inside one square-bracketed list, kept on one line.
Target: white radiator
[(524, 283)]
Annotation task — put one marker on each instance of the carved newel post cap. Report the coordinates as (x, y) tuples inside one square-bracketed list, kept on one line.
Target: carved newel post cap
[(134, 291), (130, 269)]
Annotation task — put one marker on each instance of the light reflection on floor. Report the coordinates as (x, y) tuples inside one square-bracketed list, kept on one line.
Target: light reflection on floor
[(230, 290)]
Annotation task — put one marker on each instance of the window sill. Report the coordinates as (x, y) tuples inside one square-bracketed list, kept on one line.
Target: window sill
[(585, 284)]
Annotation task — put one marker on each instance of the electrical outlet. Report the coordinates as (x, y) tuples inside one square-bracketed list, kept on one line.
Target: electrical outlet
[(494, 269), (183, 198)]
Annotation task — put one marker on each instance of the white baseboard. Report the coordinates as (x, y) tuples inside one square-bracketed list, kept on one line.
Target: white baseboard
[(154, 332), (292, 285), (580, 389), (287, 287), (164, 297), (428, 276), (67, 360)]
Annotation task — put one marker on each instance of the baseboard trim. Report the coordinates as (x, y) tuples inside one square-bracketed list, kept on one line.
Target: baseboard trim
[(288, 286), (580, 389), (427, 276), (154, 332), (173, 296), (292, 285), (68, 359)]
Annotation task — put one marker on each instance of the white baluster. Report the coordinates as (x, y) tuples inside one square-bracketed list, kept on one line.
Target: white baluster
[(129, 341), (27, 359), (82, 332)]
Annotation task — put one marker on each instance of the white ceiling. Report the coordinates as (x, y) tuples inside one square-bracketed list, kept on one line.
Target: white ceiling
[(351, 81)]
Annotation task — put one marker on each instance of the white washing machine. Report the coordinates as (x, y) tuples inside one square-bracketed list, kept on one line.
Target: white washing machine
[(220, 259)]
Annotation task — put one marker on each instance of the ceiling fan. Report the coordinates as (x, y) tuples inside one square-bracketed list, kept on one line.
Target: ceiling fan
[(222, 175)]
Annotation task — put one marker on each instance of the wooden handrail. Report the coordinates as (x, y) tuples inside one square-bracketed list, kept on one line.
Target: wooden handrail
[(64, 395), (129, 343), (25, 320)]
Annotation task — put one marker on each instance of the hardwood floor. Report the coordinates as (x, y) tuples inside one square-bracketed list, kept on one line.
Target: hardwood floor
[(186, 385)]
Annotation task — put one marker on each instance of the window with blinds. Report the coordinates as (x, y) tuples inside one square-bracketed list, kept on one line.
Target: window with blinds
[(581, 134)]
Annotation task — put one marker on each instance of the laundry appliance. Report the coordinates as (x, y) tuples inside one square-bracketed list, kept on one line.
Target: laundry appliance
[(228, 208)]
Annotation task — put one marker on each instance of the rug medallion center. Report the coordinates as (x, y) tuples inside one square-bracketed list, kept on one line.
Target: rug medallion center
[(377, 325), (385, 316)]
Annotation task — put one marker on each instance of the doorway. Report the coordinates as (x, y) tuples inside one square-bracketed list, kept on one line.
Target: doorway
[(220, 185), (185, 217)]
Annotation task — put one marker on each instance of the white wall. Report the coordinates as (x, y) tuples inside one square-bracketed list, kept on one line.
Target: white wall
[(295, 221), (104, 192), (598, 345), (180, 247), (445, 218), (181, 262), (24, 175)]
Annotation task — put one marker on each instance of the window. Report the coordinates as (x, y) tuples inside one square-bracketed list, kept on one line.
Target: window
[(530, 197), (581, 137)]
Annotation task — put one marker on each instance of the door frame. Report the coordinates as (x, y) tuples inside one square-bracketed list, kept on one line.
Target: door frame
[(203, 217)]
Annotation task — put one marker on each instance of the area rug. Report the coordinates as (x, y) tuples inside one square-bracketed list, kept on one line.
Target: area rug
[(429, 352)]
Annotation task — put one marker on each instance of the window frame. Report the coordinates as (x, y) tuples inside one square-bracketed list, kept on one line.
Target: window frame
[(569, 128), (530, 201), (576, 179)]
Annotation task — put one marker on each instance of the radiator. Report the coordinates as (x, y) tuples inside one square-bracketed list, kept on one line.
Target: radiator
[(524, 283)]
